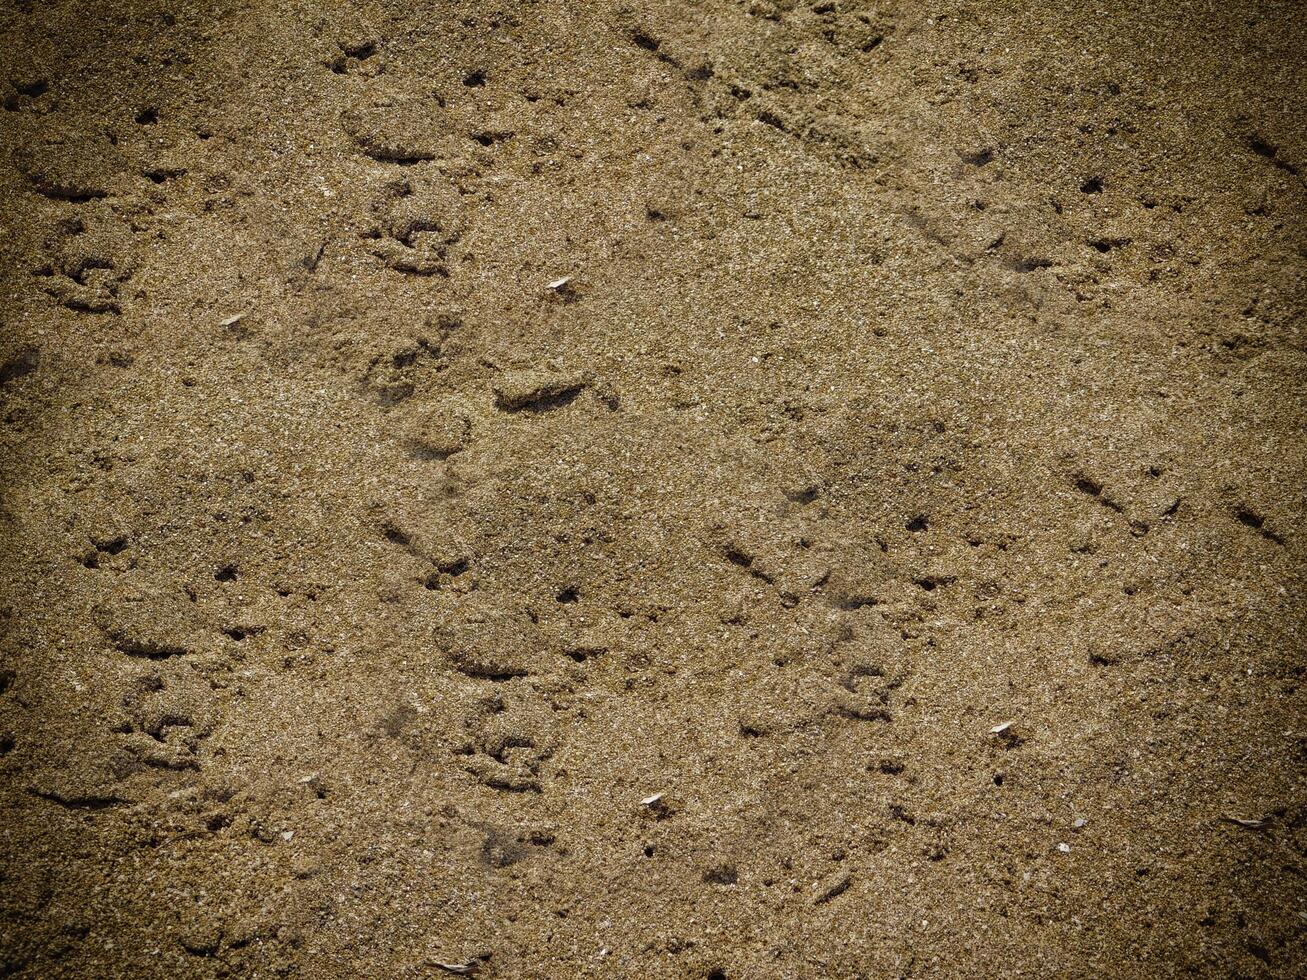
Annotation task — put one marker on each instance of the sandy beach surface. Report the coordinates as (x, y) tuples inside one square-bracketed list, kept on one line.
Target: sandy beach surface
[(717, 489)]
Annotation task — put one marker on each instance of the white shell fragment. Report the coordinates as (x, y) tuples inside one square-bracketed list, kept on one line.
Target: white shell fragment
[(558, 283), (651, 800), (463, 969), (1000, 729), (231, 321), (831, 887), (1242, 822)]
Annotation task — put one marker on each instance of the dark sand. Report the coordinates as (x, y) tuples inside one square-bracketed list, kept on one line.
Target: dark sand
[(923, 368)]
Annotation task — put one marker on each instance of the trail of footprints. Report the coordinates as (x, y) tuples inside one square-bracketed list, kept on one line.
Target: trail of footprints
[(805, 46), (510, 736), (506, 741)]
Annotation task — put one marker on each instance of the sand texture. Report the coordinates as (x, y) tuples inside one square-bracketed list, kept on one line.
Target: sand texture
[(716, 489)]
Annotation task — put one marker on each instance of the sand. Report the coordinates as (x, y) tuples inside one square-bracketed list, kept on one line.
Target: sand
[(720, 490)]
